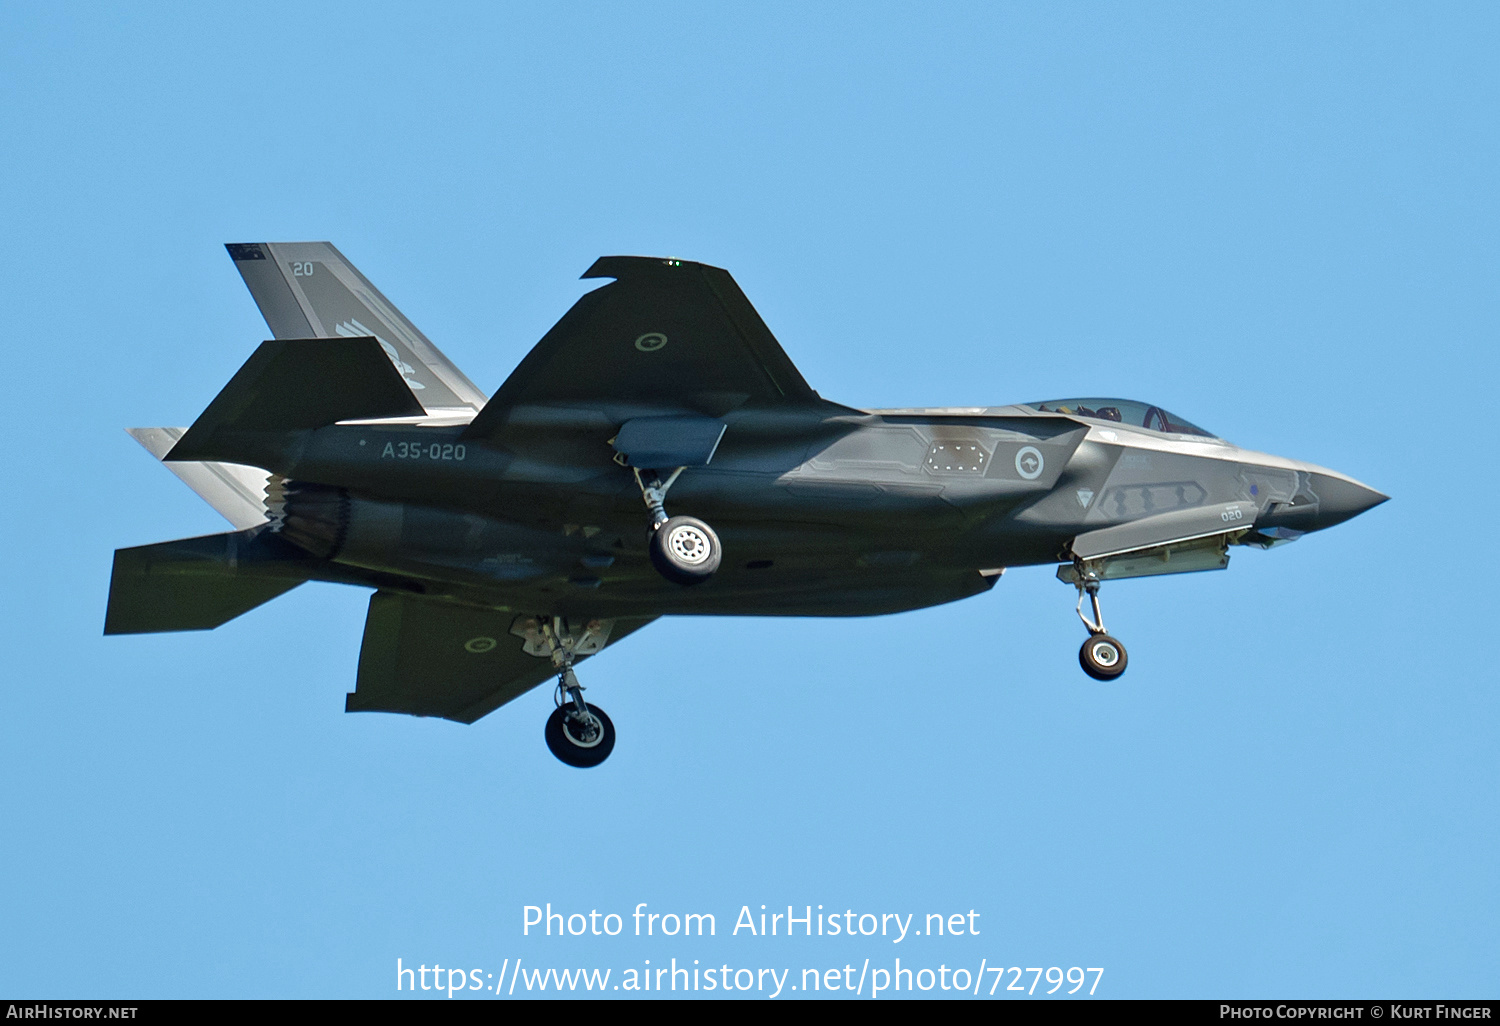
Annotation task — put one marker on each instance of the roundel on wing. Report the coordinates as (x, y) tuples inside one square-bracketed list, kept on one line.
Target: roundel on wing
[(480, 645), (651, 342)]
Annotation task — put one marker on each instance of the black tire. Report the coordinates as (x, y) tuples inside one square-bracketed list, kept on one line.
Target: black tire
[(685, 550), (574, 746), (1102, 657)]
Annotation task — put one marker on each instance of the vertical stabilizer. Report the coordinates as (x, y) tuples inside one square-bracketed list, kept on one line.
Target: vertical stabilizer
[(238, 492), (308, 290)]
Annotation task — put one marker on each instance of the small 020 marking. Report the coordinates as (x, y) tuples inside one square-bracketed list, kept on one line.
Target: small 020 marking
[(1232, 513), (651, 342)]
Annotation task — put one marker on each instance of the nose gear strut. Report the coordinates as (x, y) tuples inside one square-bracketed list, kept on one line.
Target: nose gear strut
[(1102, 657)]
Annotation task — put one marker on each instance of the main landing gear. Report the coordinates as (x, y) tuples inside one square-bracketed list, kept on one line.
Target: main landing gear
[(684, 550), (577, 733), (1102, 657)]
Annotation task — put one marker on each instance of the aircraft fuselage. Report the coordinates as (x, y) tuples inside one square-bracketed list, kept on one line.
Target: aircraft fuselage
[(848, 515)]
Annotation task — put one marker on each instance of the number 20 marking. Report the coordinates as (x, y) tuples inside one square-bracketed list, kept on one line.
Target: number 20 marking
[(302, 269)]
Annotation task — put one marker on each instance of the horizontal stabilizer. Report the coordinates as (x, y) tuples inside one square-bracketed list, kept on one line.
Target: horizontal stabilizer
[(297, 385), (427, 657), (196, 584)]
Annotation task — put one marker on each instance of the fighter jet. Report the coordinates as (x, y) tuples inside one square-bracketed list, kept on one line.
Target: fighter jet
[(656, 454)]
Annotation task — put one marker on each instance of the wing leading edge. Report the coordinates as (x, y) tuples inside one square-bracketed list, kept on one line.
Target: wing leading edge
[(668, 334)]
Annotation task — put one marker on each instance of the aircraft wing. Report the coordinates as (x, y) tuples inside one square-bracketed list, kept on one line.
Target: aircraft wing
[(308, 290), (427, 657), (671, 334)]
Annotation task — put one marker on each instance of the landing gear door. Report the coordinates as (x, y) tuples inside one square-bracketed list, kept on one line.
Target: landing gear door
[(1164, 529), (669, 441)]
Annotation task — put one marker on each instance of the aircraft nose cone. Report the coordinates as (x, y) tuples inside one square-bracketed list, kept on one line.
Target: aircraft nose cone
[(1340, 499)]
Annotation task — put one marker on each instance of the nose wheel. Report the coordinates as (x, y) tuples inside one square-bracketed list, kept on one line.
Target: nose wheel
[(1102, 657), (684, 550)]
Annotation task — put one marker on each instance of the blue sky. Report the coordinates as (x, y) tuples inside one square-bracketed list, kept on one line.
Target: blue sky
[(1279, 221)]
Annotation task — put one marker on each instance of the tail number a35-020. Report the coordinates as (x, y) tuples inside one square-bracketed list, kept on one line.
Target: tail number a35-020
[(420, 451)]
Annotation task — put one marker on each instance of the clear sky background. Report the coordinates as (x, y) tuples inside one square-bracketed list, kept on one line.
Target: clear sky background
[(1279, 221)]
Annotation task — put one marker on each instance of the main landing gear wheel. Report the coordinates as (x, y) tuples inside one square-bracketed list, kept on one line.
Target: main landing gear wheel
[(685, 550), (1102, 657), (581, 740), (577, 733)]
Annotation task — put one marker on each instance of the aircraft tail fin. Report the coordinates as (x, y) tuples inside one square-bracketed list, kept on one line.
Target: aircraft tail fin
[(297, 385), (309, 289), (196, 584), (238, 492)]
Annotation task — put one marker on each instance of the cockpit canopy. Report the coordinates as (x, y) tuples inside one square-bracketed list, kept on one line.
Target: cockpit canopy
[(1122, 411)]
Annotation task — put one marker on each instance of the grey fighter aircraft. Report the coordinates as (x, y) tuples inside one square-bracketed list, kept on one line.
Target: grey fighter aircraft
[(507, 539)]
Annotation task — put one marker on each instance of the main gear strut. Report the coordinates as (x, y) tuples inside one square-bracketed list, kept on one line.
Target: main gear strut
[(684, 550), (577, 733), (655, 494)]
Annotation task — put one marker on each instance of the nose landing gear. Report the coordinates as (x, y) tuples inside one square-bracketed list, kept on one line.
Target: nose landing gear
[(1102, 657), (684, 550)]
